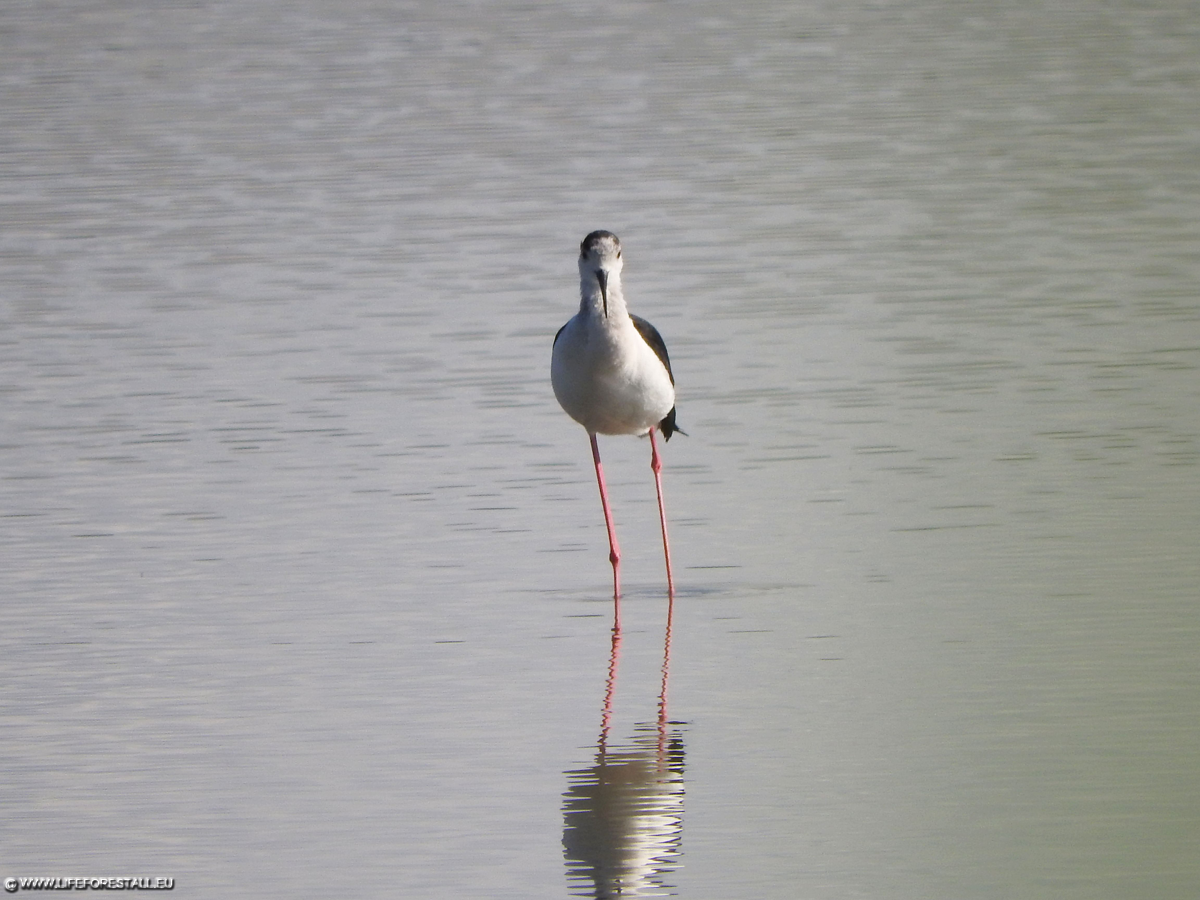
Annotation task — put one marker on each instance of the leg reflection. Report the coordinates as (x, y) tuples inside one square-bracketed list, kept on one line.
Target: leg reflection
[(623, 815)]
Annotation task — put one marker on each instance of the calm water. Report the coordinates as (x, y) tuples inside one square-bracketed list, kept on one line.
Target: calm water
[(304, 583)]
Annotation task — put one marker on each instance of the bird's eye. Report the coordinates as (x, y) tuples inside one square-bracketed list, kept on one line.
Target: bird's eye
[(618, 254)]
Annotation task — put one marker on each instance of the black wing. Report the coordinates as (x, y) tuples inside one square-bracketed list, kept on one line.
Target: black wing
[(651, 336)]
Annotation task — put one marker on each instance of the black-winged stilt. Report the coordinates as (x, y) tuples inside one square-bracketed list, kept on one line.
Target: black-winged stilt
[(611, 374)]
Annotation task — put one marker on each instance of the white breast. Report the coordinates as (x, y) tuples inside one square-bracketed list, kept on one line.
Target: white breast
[(607, 377)]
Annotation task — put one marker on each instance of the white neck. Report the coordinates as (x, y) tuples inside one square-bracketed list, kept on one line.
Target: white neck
[(592, 300)]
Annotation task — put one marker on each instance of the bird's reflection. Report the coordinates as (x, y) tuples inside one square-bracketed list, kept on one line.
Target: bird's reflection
[(623, 815)]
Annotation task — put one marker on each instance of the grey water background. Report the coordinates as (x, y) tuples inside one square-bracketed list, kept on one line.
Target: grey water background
[(303, 587)]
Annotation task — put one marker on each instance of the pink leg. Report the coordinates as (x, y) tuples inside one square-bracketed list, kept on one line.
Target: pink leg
[(614, 551), (656, 465)]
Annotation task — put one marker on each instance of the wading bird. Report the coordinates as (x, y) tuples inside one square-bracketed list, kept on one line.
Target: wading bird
[(611, 374)]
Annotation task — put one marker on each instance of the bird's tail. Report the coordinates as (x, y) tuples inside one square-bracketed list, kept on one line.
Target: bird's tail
[(668, 427)]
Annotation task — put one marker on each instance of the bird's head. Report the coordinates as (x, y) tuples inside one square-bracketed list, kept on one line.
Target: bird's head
[(600, 259)]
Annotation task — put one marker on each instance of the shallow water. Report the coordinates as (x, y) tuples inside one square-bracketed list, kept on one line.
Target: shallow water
[(305, 577)]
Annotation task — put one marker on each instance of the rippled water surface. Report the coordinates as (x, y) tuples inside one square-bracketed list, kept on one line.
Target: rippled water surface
[(304, 582)]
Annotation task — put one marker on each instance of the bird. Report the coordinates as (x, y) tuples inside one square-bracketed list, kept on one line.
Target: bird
[(612, 375)]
